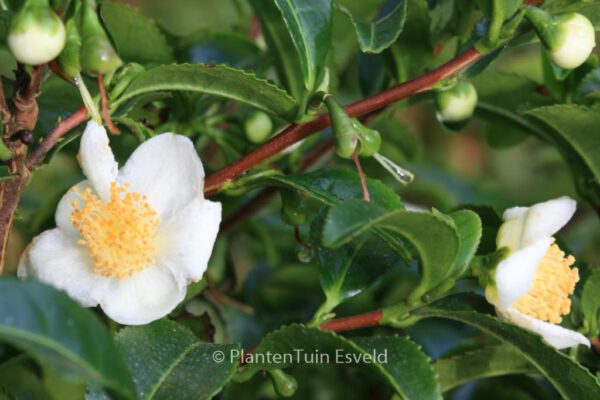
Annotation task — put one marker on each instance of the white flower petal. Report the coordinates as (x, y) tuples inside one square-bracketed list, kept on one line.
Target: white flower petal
[(555, 335), (97, 159), (142, 297), (65, 208), (168, 170), (185, 242), (525, 225), (55, 258), (514, 275)]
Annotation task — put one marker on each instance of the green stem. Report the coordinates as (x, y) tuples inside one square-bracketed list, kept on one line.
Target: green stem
[(88, 101)]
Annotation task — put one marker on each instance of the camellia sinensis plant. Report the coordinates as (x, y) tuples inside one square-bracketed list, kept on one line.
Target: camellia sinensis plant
[(315, 199)]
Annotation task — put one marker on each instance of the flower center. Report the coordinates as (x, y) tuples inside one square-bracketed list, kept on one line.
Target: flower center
[(119, 233), (554, 281)]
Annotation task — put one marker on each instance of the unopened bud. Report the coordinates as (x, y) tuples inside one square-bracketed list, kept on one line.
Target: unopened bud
[(36, 35), (456, 104), (568, 38), (97, 53)]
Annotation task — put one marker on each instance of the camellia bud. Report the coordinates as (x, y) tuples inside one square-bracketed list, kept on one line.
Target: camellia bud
[(370, 140), (36, 35), (569, 38), (456, 105), (345, 132), (68, 60), (97, 53), (258, 126), (285, 385)]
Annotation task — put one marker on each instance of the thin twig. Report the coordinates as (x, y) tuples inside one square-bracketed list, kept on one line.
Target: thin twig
[(105, 111), (361, 175), (37, 156), (295, 133), (372, 318)]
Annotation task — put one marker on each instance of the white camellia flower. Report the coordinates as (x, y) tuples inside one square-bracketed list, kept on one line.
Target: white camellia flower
[(533, 284), (130, 240), (575, 43)]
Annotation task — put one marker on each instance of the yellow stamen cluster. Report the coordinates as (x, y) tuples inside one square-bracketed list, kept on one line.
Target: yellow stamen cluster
[(554, 281), (119, 233)]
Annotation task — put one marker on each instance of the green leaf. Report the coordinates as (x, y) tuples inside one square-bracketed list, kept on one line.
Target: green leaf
[(374, 37), (219, 80), (347, 271), (434, 236), (570, 379), (337, 184), (309, 24), (57, 332), (136, 37), (502, 98), (478, 364), (412, 53), (168, 361), (469, 229), (280, 46), (590, 302), (348, 220), (589, 87), (574, 133), (497, 11), (406, 368)]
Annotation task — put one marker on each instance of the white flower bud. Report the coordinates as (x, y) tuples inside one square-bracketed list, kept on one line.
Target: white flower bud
[(37, 35), (457, 103), (576, 42)]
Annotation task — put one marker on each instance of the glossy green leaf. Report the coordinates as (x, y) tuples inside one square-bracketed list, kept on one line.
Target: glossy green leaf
[(136, 37), (502, 98), (589, 87), (571, 380), (574, 133), (169, 361), (590, 302), (219, 80), (56, 331), (469, 229), (412, 52), (338, 184), (331, 186), (309, 24), (406, 368), (478, 364), (280, 46), (374, 37), (348, 220), (346, 271), (434, 236)]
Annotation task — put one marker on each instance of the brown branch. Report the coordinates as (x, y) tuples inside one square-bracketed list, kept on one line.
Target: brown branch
[(105, 111), (37, 156), (295, 133), (264, 196), (4, 110), (372, 318)]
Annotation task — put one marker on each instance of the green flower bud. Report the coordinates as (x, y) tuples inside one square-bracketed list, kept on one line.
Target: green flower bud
[(97, 53), (456, 104), (345, 131), (68, 60), (36, 35), (285, 385), (293, 208), (258, 127), (370, 140), (568, 38)]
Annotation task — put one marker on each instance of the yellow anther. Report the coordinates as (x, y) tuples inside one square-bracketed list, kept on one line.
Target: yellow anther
[(554, 281), (118, 234)]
